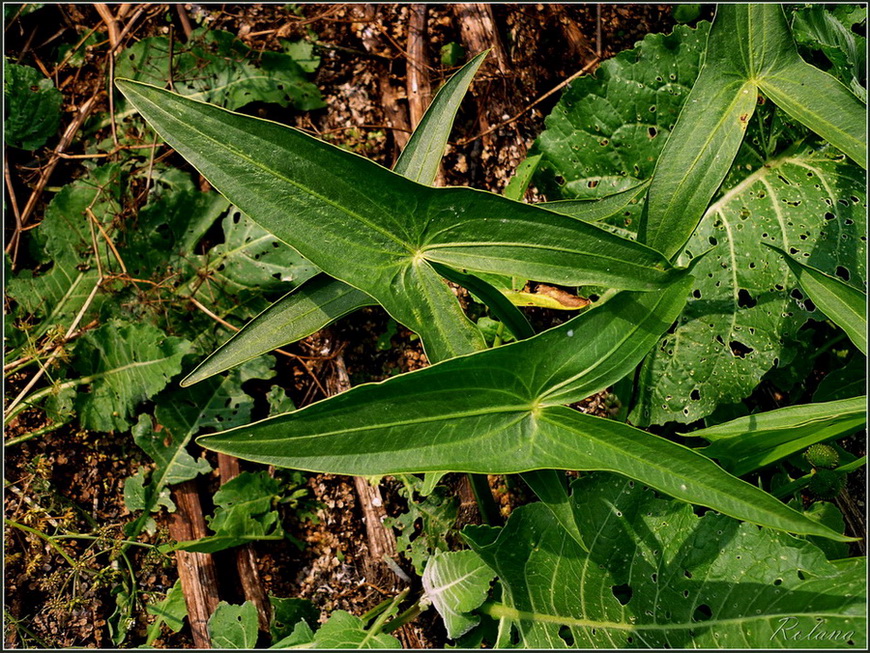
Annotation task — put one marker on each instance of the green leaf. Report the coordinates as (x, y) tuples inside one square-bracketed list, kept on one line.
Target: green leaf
[(302, 52), (170, 611), (593, 210), (32, 107), (343, 630), (122, 365), (843, 304), (606, 132), (301, 312), (744, 312), (287, 613), (745, 444), (659, 576), (233, 626), (847, 381), (216, 67), (252, 259), (243, 513), (63, 241), (457, 583), (394, 225), (486, 413), (421, 158)]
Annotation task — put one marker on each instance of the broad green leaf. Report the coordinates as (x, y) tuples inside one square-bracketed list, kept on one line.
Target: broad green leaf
[(606, 132), (457, 583), (659, 576), (170, 611), (844, 305), (303, 311), (550, 487), (122, 365), (421, 158), (343, 630), (252, 259), (32, 107), (745, 311), (243, 513), (748, 443), (233, 626), (217, 67), (499, 412), (343, 203)]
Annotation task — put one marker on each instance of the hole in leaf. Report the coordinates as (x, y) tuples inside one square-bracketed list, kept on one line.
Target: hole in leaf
[(652, 132), (567, 636), (739, 349), (744, 299), (797, 294), (695, 395), (592, 183), (622, 593), (778, 581), (702, 613), (843, 273), (696, 293), (829, 215)]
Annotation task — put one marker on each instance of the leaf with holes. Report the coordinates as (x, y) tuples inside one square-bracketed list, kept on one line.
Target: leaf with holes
[(233, 626), (659, 576)]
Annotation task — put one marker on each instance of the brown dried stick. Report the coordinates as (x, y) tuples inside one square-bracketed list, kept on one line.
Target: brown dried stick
[(197, 571)]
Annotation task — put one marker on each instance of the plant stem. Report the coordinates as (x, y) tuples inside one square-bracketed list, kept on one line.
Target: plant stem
[(489, 511), (35, 434), (45, 537), (405, 618)]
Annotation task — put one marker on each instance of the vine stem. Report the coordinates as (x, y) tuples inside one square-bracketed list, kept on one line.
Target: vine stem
[(45, 537)]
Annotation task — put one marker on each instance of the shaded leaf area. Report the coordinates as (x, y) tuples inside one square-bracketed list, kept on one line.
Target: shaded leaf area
[(743, 313), (214, 66), (171, 611), (424, 528), (659, 576), (457, 583), (32, 107), (179, 415)]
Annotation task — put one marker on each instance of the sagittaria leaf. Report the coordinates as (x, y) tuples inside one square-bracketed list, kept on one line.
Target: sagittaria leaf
[(500, 411), (378, 231)]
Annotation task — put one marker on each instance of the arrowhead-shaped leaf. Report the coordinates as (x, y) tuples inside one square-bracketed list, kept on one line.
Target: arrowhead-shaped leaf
[(378, 231)]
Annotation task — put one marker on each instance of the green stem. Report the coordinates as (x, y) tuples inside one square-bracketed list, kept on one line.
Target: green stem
[(489, 511), (35, 434), (45, 537), (405, 618)]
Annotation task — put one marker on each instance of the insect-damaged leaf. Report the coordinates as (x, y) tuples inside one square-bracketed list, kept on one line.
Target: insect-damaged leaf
[(659, 576)]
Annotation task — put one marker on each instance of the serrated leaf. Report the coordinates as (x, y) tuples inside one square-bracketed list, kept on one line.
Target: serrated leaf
[(32, 107), (233, 626), (844, 305), (658, 576), (395, 225), (63, 241), (244, 513), (748, 443), (495, 412), (122, 365), (457, 583), (215, 66)]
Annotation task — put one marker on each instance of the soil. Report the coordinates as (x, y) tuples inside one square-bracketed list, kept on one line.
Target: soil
[(73, 480)]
